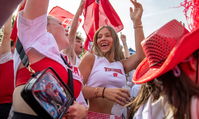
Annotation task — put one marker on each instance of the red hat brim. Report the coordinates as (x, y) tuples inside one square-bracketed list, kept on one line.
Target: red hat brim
[(184, 48)]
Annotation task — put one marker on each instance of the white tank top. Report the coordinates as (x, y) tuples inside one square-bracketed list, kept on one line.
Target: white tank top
[(106, 74)]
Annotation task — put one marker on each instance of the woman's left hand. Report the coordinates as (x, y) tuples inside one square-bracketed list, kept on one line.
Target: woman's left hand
[(136, 13)]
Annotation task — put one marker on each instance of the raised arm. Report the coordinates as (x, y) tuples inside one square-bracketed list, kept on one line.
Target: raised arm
[(136, 15), (35, 8), (126, 50), (74, 25), (5, 45), (72, 33)]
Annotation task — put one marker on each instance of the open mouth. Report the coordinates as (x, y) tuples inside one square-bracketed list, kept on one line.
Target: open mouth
[(104, 45)]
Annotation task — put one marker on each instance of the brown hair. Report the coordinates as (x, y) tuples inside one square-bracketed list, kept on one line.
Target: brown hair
[(115, 54), (178, 91)]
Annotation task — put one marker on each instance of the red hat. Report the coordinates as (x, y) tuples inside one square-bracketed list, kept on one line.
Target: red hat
[(164, 49)]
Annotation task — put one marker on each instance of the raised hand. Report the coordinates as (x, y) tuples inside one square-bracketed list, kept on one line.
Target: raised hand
[(136, 13), (123, 38)]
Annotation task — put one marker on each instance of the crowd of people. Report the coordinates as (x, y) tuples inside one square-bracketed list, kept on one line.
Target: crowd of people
[(163, 70)]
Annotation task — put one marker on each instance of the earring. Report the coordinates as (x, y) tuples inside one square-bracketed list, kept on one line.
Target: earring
[(176, 71)]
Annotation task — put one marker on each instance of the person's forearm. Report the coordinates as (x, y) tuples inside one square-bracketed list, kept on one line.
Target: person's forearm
[(139, 36), (35, 8), (133, 61), (5, 45), (92, 92), (74, 25), (126, 50)]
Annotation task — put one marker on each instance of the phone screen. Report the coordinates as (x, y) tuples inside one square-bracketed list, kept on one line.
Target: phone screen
[(51, 94)]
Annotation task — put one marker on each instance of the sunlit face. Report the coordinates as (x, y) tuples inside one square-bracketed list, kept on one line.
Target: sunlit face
[(104, 40), (78, 46), (55, 27)]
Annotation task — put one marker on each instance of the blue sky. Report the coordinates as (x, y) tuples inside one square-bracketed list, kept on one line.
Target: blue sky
[(156, 13)]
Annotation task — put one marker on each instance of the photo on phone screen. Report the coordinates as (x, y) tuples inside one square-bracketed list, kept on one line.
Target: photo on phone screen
[(51, 94)]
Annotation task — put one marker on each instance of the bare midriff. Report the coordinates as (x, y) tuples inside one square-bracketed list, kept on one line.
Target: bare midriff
[(101, 105)]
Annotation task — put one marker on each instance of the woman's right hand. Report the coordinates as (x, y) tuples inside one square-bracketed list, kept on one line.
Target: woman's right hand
[(76, 111), (118, 95)]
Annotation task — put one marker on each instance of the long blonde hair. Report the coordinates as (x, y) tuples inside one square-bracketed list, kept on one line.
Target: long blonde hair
[(115, 54)]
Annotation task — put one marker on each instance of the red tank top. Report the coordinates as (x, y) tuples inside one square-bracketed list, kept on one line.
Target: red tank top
[(23, 75)]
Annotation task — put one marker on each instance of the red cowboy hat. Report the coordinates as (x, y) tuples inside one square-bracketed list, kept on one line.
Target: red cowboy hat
[(164, 49)]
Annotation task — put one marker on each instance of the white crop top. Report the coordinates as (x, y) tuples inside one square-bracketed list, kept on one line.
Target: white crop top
[(106, 74)]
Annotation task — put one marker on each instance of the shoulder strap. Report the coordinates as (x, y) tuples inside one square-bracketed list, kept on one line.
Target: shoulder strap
[(22, 54), (70, 77), (24, 57)]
